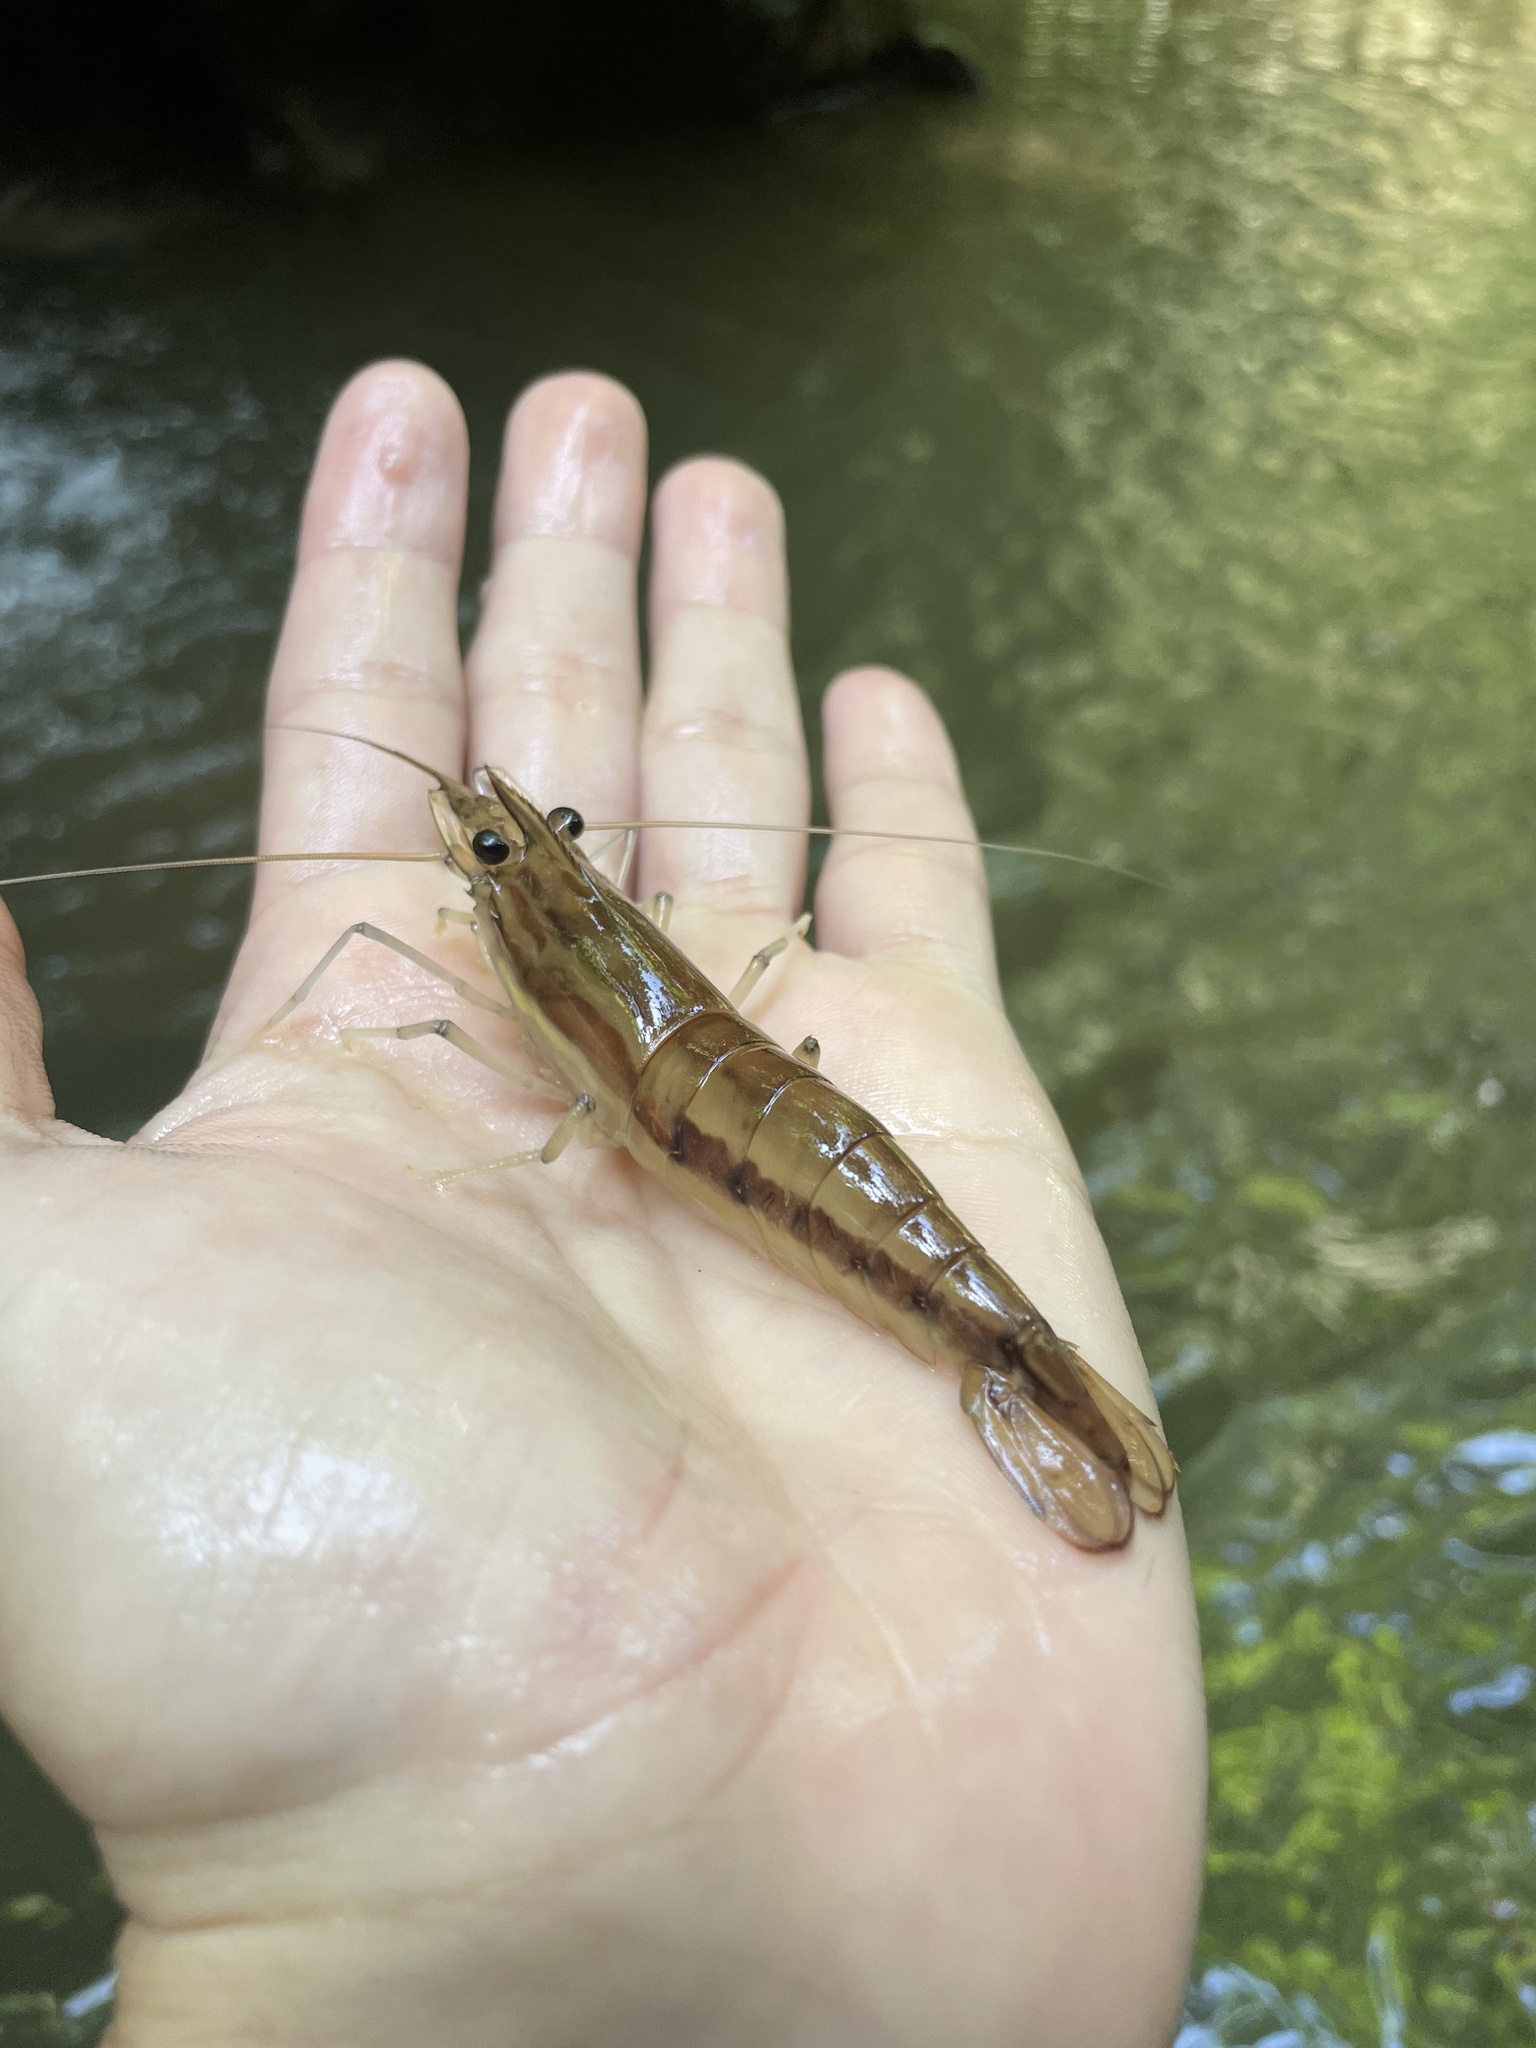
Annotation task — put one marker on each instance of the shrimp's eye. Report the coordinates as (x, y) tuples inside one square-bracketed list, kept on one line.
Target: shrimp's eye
[(566, 823), (489, 847)]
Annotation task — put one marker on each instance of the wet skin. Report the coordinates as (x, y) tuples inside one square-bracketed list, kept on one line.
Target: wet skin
[(518, 1614)]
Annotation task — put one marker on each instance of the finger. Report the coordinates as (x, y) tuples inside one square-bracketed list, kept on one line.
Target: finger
[(890, 768), (370, 641), (722, 736), (554, 672), (25, 1096)]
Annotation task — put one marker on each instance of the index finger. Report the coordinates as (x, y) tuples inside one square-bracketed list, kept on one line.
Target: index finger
[(370, 639), (369, 646)]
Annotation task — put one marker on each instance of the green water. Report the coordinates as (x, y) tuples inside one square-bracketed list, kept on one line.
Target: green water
[(1172, 416)]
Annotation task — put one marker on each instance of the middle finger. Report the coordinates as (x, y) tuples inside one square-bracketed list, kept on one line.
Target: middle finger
[(723, 737), (554, 672)]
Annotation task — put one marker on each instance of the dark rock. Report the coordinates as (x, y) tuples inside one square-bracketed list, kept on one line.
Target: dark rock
[(326, 92)]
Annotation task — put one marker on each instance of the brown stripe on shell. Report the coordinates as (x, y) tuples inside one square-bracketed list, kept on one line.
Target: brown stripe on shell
[(714, 1134), (677, 1069)]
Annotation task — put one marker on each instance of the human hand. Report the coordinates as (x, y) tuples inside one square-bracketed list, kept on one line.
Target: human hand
[(519, 1615)]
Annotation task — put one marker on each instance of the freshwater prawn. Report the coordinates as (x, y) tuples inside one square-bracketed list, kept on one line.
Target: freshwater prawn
[(648, 1056)]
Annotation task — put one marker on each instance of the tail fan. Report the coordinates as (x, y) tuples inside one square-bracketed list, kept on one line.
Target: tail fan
[(1069, 1488), (1153, 1470)]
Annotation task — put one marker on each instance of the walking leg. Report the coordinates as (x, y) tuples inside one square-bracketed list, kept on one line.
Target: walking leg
[(544, 1155), (382, 938), (757, 966), (444, 1027)]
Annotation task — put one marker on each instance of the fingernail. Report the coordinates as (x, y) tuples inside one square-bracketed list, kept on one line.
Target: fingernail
[(392, 468), (574, 466), (720, 535)]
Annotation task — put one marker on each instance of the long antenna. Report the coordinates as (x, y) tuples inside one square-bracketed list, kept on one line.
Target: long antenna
[(327, 732), (235, 860), (1081, 860), (214, 860)]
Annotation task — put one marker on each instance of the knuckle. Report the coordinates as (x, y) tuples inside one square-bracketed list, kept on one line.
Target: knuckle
[(390, 679), (578, 680), (730, 728)]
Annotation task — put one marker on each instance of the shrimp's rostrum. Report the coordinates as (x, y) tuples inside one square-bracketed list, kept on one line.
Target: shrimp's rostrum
[(658, 1061)]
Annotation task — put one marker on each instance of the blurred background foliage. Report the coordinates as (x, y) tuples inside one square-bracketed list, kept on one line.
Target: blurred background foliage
[(1170, 413)]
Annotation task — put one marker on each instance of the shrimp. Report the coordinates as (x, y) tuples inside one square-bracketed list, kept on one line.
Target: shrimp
[(652, 1058), (656, 1060)]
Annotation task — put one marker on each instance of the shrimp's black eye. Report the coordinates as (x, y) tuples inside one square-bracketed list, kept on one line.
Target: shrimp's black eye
[(563, 820), (489, 847)]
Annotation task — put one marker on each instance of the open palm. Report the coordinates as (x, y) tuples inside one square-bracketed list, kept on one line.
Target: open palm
[(518, 1614)]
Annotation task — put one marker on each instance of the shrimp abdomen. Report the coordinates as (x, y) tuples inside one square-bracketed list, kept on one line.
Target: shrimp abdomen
[(792, 1166)]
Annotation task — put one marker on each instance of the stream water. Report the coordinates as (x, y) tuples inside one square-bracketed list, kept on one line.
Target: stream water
[(1171, 414)]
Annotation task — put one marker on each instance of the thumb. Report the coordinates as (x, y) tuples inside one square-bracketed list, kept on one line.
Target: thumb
[(24, 1092)]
